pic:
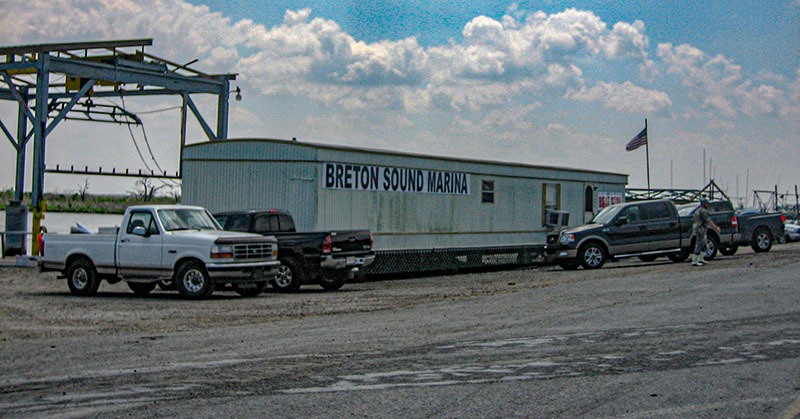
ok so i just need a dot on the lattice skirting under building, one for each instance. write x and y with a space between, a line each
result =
390 262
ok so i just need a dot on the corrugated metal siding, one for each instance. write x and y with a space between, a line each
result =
231 185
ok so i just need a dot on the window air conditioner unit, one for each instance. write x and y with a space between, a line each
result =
555 218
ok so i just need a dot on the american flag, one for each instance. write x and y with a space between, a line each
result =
637 141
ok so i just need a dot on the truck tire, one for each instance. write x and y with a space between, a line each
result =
288 277
82 277
333 281
250 289
142 288
592 256
762 240
193 282
679 256
729 250
711 248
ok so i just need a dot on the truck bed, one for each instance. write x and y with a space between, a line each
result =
60 247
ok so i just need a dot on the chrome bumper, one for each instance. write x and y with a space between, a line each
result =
243 270
555 252
330 262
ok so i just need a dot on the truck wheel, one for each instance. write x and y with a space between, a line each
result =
712 246
193 282
141 288
679 256
762 240
569 265
592 256
288 277
729 250
250 289
82 277
333 281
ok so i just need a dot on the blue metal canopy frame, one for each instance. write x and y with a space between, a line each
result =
95 69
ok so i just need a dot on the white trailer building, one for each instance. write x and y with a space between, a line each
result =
425 212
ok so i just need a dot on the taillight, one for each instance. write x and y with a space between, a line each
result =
371 242
327 244
735 222
783 218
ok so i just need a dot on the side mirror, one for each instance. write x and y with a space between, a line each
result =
140 231
622 221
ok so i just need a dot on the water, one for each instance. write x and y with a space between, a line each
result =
60 222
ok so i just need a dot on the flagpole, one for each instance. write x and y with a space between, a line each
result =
647 151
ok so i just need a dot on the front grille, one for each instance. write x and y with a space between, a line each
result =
252 251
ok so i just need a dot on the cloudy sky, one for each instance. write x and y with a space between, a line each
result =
536 82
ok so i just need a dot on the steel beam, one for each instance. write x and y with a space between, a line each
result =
72 46
203 124
118 74
85 88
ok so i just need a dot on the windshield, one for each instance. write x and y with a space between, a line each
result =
686 209
187 219
605 216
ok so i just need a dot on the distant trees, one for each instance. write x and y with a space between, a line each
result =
146 189
83 189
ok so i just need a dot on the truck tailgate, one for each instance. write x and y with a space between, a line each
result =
351 242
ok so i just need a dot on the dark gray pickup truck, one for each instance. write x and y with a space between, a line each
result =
646 229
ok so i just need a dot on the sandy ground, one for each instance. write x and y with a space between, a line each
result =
36 305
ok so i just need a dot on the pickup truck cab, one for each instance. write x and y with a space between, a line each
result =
646 229
183 244
327 258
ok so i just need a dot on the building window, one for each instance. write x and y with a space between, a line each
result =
551 199
487 191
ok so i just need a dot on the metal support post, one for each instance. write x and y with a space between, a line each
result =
184 104
39 143
22 145
222 107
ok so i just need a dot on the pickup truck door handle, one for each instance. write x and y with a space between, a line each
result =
642 228
124 241
672 224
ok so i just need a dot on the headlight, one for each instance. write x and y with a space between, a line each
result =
221 252
566 238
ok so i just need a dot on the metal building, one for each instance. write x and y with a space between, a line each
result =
425 212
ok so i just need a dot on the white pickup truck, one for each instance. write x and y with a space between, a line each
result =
176 244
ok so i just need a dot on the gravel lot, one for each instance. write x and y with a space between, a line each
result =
37 305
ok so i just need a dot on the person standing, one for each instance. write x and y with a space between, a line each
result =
701 221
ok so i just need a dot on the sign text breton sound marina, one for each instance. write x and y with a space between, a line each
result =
393 179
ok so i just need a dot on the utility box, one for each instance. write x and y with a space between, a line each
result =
16 228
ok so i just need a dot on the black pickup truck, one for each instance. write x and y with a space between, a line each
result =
326 258
645 229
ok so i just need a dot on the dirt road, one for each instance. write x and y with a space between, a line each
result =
37 305
632 339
